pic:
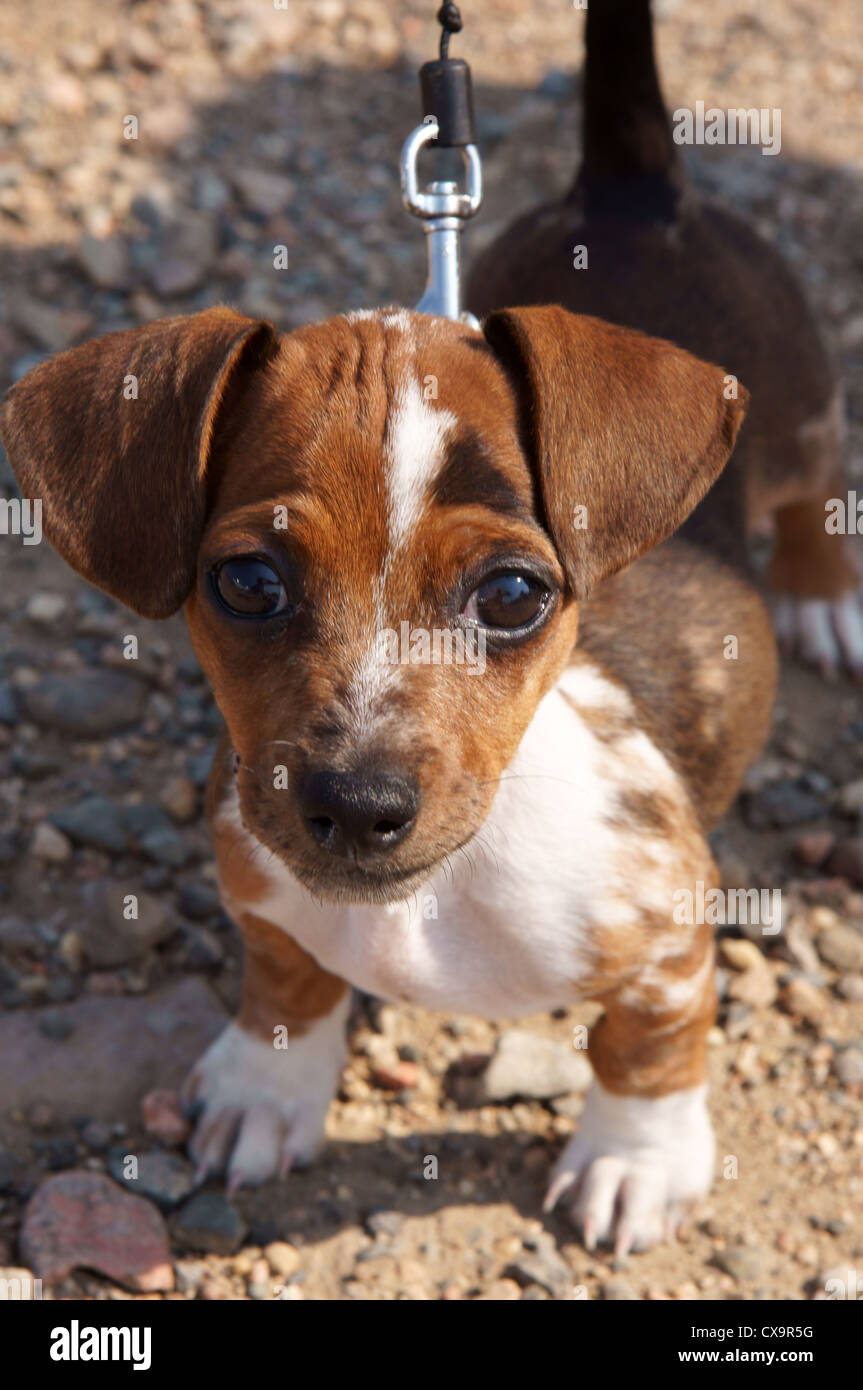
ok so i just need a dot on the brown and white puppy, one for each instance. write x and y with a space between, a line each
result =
673 264
499 839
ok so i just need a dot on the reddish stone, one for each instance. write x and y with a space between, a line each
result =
163 1118
80 1220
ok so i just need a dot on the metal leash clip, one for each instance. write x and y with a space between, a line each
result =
444 208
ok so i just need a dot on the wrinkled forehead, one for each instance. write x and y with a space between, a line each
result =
374 421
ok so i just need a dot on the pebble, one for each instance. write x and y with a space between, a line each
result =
543 1266
179 798
108 937
93 821
742 1262
848 1065
164 1178
742 955
56 1026
189 1275
850 797
83 1220
501 1291
814 847
87 705
532 1067
50 845
754 987
850 987
842 947
283 1258
198 900
803 998
105 260
781 804
402 1076
45 609
163 1118
847 859
209 1223
616 1291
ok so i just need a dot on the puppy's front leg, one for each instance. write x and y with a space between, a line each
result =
645 1146
262 1090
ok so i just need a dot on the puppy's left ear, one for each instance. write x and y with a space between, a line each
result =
627 432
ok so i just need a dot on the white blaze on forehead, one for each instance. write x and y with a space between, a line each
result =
413 454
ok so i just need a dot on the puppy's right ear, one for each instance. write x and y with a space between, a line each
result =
114 438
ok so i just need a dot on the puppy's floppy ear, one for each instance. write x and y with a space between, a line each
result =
627 427
114 437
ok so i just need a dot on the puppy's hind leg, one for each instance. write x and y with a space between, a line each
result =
814 573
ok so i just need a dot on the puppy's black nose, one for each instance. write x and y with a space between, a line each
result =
358 813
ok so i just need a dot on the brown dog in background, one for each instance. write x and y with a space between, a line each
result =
666 261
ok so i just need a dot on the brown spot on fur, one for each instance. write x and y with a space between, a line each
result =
282 983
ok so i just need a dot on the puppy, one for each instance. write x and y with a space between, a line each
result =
664 260
496 841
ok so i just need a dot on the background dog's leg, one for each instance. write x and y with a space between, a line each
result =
644 1146
263 1088
819 609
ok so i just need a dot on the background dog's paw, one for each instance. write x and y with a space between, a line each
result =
825 633
634 1166
260 1110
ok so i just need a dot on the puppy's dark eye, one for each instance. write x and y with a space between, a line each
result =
250 587
507 601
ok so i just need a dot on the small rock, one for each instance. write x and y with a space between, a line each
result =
105 260
162 1114
198 900
742 1261
189 1275
263 192
742 955
166 1179
180 799
18 935
208 1222
847 859
93 821
8 704
803 998
754 987
45 609
813 849
501 1291
780 804
83 1220
97 1135
50 844
850 797
544 1267
56 1026
848 1065
108 937
282 1258
842 947
86 705
850 987
402 1076
618 1292
384 1223
532 1067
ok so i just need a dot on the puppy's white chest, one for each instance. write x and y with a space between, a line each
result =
513 923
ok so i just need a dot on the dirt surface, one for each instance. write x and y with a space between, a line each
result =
260 126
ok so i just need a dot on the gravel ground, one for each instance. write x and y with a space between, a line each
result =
260 126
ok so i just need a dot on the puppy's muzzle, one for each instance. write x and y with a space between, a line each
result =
359 815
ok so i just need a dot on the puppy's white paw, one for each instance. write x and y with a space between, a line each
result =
634 1165
826 633
261 1109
